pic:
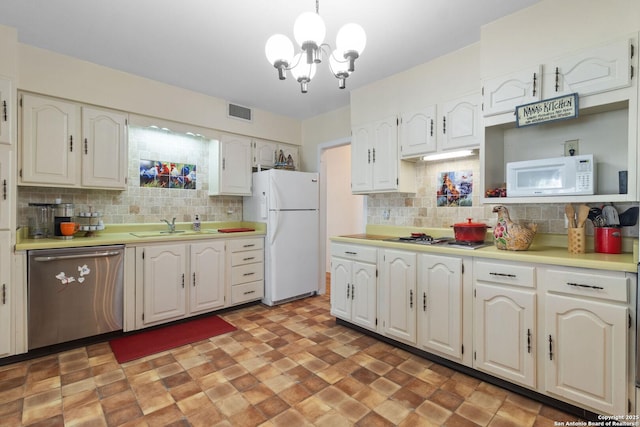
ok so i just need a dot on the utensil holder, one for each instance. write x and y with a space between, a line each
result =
577 242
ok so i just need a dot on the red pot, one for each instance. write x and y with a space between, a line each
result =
473 232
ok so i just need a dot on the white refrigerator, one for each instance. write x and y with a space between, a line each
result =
288 202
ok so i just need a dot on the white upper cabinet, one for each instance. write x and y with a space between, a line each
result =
104 136
502 94
6 116
460 125
65 144
264 153
418 133
230 166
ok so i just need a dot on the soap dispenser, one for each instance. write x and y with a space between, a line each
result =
196 223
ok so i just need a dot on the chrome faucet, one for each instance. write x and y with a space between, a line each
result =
171 225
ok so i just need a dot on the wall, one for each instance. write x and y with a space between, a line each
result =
332 126
145 205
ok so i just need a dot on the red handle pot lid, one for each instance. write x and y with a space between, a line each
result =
470 224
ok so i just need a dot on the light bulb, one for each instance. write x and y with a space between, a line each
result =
279 48
309 27
351 37
302 70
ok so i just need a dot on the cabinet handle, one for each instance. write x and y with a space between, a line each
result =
557 79
535 82
71 143
424 301
4 110
580 285
4 293
348 292
248 258
368 155
444 125
350 253
4 189
410 298
431 129
248 292
550 348
249 274
182 280
528 340
374 155
502 274
224 162
86 146
353 291
249 245
194 279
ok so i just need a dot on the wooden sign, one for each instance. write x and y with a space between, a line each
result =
548 110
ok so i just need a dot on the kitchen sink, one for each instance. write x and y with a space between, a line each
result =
166 233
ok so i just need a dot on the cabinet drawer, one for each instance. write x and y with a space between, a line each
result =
355 252
613 286
506 273
247 292
237 245
248 257
247 273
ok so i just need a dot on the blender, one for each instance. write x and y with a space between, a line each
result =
39 220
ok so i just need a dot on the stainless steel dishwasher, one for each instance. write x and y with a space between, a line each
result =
74 293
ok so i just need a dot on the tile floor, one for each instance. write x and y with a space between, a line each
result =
285 366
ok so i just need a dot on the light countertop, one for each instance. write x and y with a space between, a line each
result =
546 249
140 234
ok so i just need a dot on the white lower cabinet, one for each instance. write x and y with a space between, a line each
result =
172 287
247 270
7 326
504 311
587 337
440 303
399 297
354 284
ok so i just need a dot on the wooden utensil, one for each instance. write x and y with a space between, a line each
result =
570 212
583 214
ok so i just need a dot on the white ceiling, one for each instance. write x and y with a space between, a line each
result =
216 47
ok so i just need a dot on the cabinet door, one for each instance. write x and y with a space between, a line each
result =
587 352
7 326
418 132
504 332
206 281
6 116
104 149
594 70
50 142
264 153
235 172
440 302
384 154
6 187
341 288
400 298
503 94
460 123
361 165
164 282
363 295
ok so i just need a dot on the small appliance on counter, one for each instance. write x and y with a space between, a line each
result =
40 220
62 212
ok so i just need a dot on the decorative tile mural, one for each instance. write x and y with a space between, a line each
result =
159 174
455 188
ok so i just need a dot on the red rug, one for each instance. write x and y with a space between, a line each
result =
144 343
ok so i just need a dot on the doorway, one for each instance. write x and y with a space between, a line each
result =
341 212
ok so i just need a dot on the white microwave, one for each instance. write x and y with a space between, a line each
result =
559 176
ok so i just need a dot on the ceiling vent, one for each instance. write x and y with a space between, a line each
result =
239 112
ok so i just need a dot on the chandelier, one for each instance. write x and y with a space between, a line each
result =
309 32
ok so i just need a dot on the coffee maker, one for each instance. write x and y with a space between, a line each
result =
62 212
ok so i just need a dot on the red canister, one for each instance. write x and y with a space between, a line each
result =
608 240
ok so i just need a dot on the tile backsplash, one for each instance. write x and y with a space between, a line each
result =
421 210
146 205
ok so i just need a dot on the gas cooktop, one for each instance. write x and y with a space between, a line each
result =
425 239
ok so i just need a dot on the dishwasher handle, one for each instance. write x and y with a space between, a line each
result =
77 256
